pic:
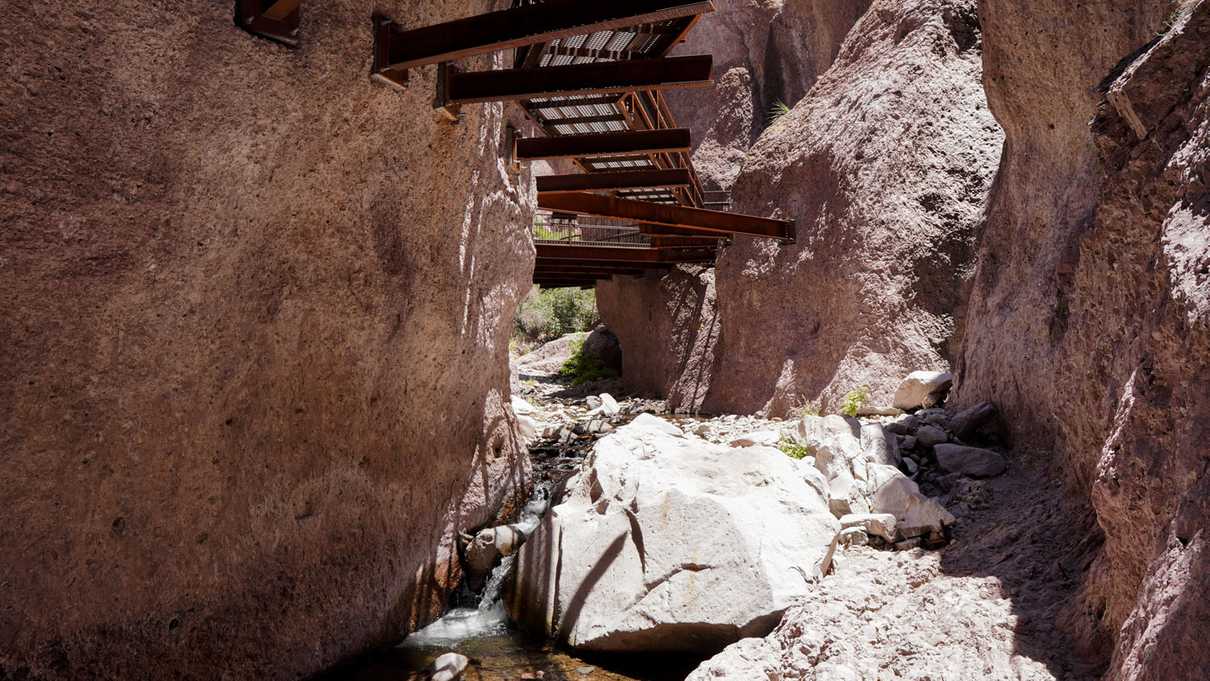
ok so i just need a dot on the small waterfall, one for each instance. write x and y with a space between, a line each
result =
483 614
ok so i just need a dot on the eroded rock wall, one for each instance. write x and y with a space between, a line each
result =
254 320
1088 320
765 52
668 327
885 167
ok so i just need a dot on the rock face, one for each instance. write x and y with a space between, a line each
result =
862 476
666 542
254 314
668 328
872 288
765 52
1089 320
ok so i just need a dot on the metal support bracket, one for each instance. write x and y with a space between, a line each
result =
445 110
276 20
386 30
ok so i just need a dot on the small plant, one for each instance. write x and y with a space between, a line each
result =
778 110
805 408
855 400
795 450
581 368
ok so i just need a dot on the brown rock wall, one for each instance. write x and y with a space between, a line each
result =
885 166
668 327
254 318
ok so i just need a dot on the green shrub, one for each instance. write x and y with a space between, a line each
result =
778 110
547 314
855 400
581 368
795 450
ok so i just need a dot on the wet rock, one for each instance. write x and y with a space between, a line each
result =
929 436
970 461
922 389
448 667
669 543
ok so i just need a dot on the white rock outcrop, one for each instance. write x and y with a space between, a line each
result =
862 479
665 542
922 389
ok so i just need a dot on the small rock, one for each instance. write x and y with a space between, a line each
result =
521 407
967 423
970 461
609 406
923 389
930 436
585 671
880 524
908 544
448 667
904 426
908 442
766 438
592 401
853 536
910 468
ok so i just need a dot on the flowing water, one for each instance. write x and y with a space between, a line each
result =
478 627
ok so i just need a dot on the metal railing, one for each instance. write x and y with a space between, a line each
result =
552 229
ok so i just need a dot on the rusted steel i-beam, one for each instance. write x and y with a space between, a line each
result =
578 79
527 25
642 256
687 219
603 144
278 21
624 179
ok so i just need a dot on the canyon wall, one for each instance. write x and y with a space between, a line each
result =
1088 321
254 317
884 164
669 326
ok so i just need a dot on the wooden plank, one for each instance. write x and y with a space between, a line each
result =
627 179
529 25
579 79
603 144
682 217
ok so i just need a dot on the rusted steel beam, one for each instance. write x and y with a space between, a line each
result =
603 144
278 21
691 220
625 179
643 256
579 79
529 25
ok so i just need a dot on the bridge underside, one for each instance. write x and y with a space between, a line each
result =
590 76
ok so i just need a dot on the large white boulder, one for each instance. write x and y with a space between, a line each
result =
922 389
665 542
856 460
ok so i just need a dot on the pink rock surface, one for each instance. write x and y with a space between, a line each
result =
254 314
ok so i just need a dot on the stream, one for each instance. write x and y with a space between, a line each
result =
477 625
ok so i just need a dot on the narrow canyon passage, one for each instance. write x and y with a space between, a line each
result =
648 340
